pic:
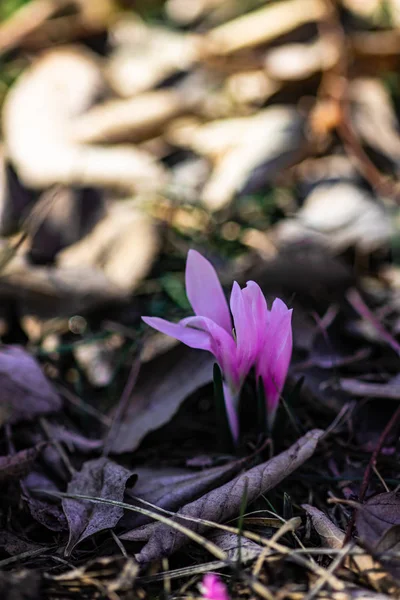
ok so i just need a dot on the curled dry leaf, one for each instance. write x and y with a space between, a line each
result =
25 390
38 117
224 502
155 400
100 477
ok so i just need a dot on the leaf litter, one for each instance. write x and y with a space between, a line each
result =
266 138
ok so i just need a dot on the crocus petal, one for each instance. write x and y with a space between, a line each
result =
205 292
191 337
254 297
212 588
245 330
231 405
274 359
222 345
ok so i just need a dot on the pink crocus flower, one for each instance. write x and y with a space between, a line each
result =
212 588
257 336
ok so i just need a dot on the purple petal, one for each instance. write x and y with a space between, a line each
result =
189 336
231 410
205 292
274 359
258 307
245 330
222 345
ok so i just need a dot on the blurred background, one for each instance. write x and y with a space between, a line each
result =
264 134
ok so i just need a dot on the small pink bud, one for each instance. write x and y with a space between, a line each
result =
212 588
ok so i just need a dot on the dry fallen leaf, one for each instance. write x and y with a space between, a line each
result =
98 477
172 488
155 400
334 538
25 389
339 216
38 117
224 502
246 151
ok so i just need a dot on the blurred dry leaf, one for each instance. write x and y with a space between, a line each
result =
97 361
185 13
293 62
15 466
250 87
57 291
144 56
246 151
132 120
38 116
156 399
25 20
25 389
123 246
339 216
374 118
264 25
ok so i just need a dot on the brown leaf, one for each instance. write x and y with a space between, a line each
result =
100 477
164 383
329 533
24 388
376 517
15 466
334 537
224 502
172 488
